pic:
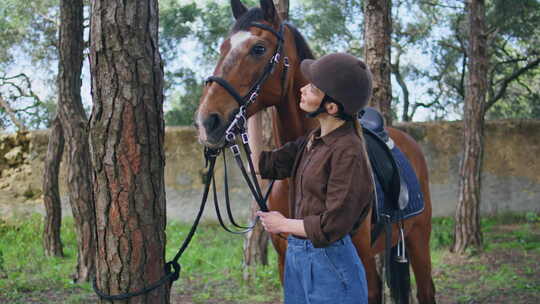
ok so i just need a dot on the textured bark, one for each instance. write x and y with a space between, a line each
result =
74 124
282 7
51 196
127 134
260 138
256 241
467 228
377 36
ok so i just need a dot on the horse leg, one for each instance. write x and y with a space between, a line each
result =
419 254
279 201
362 242
280 245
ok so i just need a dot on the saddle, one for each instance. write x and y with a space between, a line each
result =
385 168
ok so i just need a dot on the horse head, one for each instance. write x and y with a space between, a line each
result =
248 69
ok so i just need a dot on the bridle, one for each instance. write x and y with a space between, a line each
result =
238 126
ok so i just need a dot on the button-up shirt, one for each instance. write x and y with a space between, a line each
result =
331 186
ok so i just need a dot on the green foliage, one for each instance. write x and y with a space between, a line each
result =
30 27
26 267
211 267
330 26
29 35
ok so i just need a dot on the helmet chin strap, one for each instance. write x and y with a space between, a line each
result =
321 108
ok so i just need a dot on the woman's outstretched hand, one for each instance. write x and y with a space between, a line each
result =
275 222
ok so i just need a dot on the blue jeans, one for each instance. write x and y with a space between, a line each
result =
332 274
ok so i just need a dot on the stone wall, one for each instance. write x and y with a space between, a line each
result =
510 178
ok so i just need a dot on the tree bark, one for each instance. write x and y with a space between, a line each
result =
256 241
74 124
377 36
51 196
260 138
127 134
467 230
282 7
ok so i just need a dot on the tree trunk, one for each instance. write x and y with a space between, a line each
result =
256 241
377 36
260 138
51 196
127 134
74 124
282 7
377 39
467 228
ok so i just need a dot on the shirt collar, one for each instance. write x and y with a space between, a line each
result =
331 137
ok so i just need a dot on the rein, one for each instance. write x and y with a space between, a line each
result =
237 127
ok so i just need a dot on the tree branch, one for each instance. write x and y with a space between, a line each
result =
5 105
508 80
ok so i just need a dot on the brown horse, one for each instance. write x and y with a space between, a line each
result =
244 56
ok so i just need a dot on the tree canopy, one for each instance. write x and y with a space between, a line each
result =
429 54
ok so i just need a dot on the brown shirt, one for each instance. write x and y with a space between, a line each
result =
331 186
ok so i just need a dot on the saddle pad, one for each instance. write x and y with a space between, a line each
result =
416 200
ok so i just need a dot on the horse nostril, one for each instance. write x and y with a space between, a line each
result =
212 122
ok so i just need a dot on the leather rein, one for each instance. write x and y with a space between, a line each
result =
237 128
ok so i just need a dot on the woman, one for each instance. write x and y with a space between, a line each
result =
330 189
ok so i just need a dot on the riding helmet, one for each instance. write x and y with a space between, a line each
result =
343 77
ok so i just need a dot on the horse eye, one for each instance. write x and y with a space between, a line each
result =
258 50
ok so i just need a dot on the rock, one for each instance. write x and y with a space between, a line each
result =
14 156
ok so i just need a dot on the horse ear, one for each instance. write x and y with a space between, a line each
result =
270 13
238 8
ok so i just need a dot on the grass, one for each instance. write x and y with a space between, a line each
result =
506 270
211 267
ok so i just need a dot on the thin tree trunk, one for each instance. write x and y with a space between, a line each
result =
256 241
74 124
127 134
377 37
51 196
260 138
282 7
467 228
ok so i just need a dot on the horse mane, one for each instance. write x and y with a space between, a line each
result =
256 14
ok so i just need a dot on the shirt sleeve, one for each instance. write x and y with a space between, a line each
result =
349 193
278 164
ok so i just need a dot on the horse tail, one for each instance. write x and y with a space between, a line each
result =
399 278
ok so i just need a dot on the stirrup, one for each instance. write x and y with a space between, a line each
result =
401 256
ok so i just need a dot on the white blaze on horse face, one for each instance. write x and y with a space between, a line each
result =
239 38
237 41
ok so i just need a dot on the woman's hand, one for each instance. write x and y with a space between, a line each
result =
273 221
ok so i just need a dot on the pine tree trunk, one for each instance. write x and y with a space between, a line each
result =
467 228
51 196
256 241
377 39
74 124
282 7
127 134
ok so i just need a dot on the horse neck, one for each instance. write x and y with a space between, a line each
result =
291 122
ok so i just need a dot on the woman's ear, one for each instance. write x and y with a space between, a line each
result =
331 108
